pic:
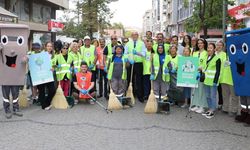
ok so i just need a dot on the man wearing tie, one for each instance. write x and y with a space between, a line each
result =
136 51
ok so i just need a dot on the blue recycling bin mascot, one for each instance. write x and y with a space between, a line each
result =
238 46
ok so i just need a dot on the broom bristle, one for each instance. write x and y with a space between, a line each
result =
59 100
130 94
151 106
114 103
23 102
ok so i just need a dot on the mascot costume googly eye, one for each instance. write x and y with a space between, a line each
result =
238 49
13 48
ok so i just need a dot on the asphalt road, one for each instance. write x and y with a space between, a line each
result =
89 127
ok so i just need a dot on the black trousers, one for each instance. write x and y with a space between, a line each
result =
138 80
14 90
220 95
102 78
147 86
94 78
46 101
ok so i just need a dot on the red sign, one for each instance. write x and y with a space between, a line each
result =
239 11
55 26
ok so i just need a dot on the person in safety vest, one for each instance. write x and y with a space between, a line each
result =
64 63
160 40
117 73
147 62
175 93
84 84
76 56
212 74
136 51
230 100
199 100
160 73
109 49
89 55
102 70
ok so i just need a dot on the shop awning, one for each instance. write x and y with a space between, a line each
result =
62 3
6 16
240 12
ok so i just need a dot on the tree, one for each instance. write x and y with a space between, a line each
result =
90 16
207 14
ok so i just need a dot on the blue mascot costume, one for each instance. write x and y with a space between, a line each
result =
238 46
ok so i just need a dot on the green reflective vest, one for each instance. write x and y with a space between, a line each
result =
138 48
166 48
111 68
202 58
77 59
65 67
147 64
88 55
156 64
210 71
226 74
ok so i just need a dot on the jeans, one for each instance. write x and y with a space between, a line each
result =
211 96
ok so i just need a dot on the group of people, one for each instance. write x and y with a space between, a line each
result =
77 66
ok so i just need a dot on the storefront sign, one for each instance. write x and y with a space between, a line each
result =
55 26
240 12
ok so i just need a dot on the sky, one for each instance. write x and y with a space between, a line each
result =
130 12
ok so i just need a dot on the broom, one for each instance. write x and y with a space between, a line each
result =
151 106
130 90
114 103
59 101
23 102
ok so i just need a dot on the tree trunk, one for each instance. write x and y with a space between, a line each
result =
205 32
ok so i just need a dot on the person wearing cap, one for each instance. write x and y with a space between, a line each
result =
117 73
84 84
136 51
36 48
89 55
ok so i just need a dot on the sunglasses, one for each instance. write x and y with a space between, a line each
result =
125 41
113 38
65 48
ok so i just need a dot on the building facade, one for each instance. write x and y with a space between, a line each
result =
147 22
35 14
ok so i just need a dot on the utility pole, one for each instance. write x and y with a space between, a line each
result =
224 18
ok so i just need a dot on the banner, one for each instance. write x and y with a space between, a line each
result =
55 26
40 68
187 71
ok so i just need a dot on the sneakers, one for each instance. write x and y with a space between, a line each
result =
199 110
205 113
76 102
184 106
210 115
48 108
17 113
194 108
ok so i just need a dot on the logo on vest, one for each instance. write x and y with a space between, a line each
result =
148 58
87 54
83 78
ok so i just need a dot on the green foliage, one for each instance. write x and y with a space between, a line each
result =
90 16
207 14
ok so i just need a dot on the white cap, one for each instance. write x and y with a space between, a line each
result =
86 38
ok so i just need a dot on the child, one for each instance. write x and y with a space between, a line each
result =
84 84
160 73
117 73
212 74
64 62
186 90
147 69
